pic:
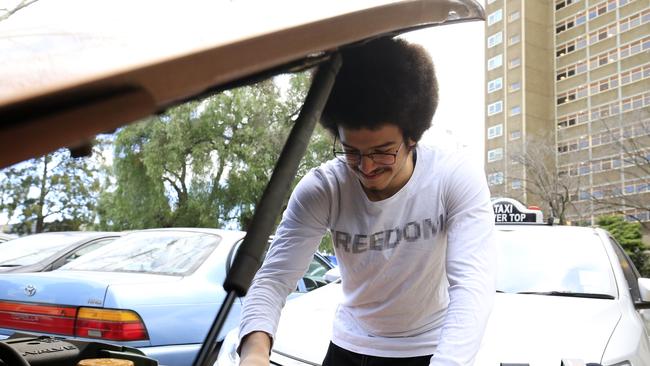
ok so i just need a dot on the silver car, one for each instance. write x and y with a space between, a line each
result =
49 251
564 293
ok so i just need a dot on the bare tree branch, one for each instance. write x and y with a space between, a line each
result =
9 12
630 138
557 191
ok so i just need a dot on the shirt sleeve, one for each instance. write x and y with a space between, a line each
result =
303 224
470 265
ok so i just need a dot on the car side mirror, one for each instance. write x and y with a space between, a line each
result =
332 275
644 292
644 288
572 362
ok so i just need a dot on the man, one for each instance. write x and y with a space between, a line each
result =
412 226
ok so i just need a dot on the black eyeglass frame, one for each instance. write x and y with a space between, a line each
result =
343 155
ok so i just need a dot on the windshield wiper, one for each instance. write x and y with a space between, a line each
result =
10 265
568 294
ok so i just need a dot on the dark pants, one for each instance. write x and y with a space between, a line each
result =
337 356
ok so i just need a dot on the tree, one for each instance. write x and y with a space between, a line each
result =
542 179
628 234
204 163
55 187
626 138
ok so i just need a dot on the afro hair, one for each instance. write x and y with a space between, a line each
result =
384 81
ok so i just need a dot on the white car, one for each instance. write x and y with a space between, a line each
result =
564 293
6 237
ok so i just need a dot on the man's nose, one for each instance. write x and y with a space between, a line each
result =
366 164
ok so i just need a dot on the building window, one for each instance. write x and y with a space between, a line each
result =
514 86
514 16
515 134
495 178
572 45
559 4
514 62
495 62
494 108
603 85
495 39
574 69
635 20
570 22
495 154
635 47
495 16
516 183
603 59
514 39
602 33
635 74
601 9
515 110
573 94
495 131
494 85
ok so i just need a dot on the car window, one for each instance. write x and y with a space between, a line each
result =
163 252
629 271
87 249
314 277
32 249
554 261
317 269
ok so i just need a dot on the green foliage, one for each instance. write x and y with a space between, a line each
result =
204 164
629 235
49 193
326 245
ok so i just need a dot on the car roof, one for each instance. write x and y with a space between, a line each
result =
62 83
226 234
80 235
557 230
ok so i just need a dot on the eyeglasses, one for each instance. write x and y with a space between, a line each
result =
354 157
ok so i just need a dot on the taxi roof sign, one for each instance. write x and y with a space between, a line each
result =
510 211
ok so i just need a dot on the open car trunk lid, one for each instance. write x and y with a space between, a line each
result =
63 81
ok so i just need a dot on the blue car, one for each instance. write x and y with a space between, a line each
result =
157 290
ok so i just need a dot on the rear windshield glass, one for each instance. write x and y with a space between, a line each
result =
34 248
553 261
159 252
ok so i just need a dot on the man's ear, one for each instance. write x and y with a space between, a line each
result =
411 143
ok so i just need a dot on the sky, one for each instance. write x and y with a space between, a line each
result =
457 52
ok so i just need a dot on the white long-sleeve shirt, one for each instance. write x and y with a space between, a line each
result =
417 268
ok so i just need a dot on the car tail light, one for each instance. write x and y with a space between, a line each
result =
34 317
116 325
109 324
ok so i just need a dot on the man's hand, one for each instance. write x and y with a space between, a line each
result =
255 349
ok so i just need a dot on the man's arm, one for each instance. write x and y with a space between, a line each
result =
302 226
470 265
255 349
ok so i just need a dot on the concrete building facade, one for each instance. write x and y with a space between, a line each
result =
568 105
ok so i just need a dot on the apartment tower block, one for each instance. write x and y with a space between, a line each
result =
567 105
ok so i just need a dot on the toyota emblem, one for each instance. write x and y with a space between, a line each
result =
30 290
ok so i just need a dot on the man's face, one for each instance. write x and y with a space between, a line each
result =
380 181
